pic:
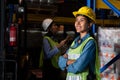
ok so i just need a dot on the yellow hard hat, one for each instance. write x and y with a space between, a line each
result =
87 12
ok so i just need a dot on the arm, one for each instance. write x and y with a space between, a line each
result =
85 58
62 62
49 52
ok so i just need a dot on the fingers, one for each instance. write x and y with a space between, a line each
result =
65 56
70 62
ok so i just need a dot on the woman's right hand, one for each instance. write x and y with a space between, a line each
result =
62 43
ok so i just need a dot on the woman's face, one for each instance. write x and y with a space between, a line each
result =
81 24
54 28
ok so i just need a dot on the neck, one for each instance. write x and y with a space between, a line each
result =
82 34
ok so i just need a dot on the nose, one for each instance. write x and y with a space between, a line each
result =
78 22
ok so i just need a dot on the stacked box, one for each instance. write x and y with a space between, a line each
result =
109 47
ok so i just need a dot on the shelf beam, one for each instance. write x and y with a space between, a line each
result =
67 20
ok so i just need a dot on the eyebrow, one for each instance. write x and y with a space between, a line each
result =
81 18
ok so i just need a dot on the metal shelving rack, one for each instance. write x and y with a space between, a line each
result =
9 71
109 4
6 71
2 39
115 9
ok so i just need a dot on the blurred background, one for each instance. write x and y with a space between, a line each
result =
21 33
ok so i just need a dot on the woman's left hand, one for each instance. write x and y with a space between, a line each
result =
70 62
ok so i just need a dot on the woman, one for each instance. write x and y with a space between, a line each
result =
51 51
81 60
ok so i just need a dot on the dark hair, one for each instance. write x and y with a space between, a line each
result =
50 33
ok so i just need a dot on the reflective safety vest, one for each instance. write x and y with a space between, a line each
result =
54 59
74 54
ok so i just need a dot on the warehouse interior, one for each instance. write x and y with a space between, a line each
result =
20 59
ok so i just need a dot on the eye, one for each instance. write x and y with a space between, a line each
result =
82 20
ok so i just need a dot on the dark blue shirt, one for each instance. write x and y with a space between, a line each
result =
48 50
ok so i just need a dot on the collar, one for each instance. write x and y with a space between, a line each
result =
81 40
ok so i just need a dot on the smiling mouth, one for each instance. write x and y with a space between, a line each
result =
78 27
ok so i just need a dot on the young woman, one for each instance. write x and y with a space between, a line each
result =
50 51
81 59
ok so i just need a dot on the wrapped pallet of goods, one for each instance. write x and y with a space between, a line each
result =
109 47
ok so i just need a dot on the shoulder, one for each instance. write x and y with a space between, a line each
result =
91 42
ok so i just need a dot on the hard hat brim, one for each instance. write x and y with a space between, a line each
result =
76 12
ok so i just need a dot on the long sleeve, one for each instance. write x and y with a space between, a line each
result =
62 62
49 52
86 57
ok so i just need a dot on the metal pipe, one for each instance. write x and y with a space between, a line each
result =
109 63
93 27
89 3
92 6
2 13
112 7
